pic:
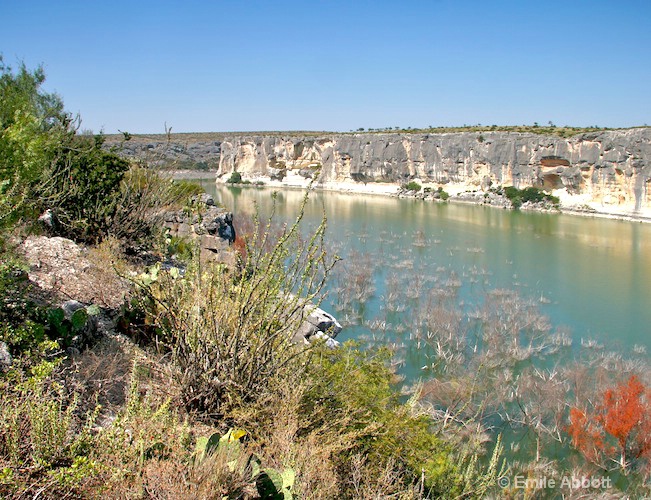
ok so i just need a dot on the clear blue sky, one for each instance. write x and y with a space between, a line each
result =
337 65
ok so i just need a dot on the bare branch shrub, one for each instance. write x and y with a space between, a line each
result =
230 331
142 201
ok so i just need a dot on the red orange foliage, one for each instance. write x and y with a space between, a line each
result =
620 425
239 245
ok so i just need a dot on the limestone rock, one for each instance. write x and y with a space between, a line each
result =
5 358
212 227
317 324
61 268
614 163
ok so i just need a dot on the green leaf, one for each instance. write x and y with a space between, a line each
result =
200 447
212 443
56 316
255 466
289 476
93 310
79 319
206 445
270 483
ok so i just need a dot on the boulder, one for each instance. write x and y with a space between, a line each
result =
214 243
5 358
317 324
63 269
212 226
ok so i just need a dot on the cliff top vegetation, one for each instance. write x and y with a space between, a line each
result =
550 129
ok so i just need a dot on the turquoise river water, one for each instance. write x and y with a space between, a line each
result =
591 276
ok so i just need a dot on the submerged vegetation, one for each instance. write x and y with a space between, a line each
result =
493 365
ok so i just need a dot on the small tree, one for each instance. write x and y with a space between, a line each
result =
84 188
32 125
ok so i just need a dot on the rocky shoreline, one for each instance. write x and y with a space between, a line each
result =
593 172
457 194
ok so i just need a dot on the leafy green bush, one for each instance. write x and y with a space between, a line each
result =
356 385
32 126
235 178
412 186
84 189
45 164
528 194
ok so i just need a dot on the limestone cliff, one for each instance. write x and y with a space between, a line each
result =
610 167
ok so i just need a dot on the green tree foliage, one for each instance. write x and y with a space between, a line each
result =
32 126
45 164
85 182
533 194
235 178
412 186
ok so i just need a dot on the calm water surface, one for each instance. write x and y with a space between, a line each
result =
592 276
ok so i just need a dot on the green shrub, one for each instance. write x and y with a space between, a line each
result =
32 126
528 194
84 190
511 192
354 389
43 440
235 178
444 195
516 202
45 164
412 186
21 322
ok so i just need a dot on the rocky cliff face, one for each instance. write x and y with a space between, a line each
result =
610 167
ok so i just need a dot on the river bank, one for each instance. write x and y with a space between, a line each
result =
571 204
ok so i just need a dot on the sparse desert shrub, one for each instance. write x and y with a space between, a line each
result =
44 442
230 331
143 198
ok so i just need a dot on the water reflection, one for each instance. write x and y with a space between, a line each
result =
592 275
